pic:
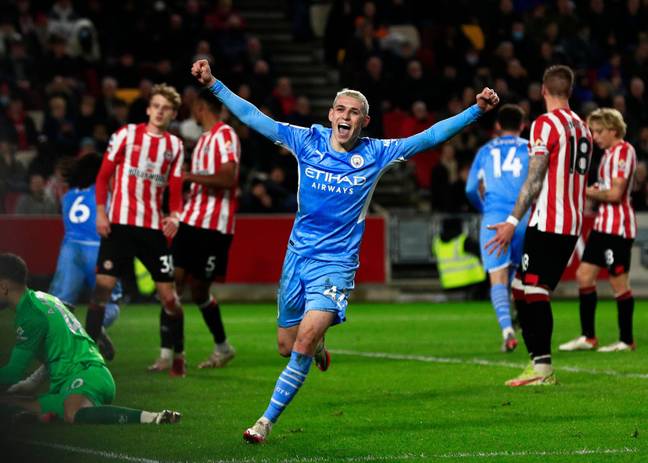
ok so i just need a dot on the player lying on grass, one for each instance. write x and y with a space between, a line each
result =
338 172
81 386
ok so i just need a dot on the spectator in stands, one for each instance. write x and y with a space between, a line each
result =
640 187
443 176
425 161
61 19
302 115
108 98
18 127
13 176
87 117
59 128
413 87
282 102
36 201
137 109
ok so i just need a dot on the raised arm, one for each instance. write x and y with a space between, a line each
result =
244 110
444 130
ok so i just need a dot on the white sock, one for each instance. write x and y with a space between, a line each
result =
166 353
507 331
223 347
543 368
148 417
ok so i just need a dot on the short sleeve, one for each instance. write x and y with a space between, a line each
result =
227 144
623 162
542 137
116 144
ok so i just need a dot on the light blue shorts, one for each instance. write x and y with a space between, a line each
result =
513 254
308 284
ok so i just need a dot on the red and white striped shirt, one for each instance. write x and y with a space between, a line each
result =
619 161
144 164
213 208
564 137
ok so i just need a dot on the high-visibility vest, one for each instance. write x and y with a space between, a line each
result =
144 280
457 268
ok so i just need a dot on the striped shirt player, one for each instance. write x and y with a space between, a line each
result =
617 218
201 247
213 208
142 160
609 245
565 139
560 148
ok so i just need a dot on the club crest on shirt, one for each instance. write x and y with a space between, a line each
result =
168 155
357 161
622 163
20 334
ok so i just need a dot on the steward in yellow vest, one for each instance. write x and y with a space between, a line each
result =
457 268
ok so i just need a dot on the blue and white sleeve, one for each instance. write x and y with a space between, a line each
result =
404 148
277 132
472 183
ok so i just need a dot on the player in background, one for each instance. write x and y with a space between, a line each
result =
142 159
560 152
77 261
81 386
201 247
338 172
609 245
496 176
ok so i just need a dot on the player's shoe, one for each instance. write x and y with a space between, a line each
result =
259 432
178 367
105 345
510 343
218 359
167 417
322 357
580 343
161 364
619 346
531 377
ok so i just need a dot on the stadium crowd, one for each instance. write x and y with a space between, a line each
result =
69 79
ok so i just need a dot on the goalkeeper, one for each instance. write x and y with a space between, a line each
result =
81 386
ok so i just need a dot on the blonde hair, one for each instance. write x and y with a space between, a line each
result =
167 92
354 94
610 119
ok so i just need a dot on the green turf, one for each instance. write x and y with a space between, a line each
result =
372 409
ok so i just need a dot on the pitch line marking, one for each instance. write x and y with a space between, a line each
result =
358 459
478 361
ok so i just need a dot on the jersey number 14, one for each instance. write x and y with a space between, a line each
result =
511 162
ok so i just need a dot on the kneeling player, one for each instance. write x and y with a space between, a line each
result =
81 386
610 243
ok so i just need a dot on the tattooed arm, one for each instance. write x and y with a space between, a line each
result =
528 193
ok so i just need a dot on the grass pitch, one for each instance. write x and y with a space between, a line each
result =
408 383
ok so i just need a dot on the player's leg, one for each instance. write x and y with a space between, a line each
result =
310 332
153 252
69 276
618 265
587 299
497 267
88 256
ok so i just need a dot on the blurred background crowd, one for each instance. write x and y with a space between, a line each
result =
73 72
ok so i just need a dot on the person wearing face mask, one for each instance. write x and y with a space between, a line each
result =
609 245
338 173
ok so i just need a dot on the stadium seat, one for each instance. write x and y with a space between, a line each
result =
318 16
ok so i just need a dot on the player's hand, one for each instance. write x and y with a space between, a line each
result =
487 99
201 71
503 235
103 224
170 226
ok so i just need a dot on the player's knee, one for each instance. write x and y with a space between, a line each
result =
305 342
69 415
285 348
170 302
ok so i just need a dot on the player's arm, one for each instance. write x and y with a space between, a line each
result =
448 128
224 179
528 193
30 384
474 184
15 369
244 110
112 156
171 222
613 195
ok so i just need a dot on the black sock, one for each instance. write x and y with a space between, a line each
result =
542 324
94 319
212 316
625 307
587 306
523 318
178 333
166 330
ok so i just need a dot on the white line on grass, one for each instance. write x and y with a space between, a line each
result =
478 361
354 459
96 453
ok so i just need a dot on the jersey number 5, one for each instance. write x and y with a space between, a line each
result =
511 162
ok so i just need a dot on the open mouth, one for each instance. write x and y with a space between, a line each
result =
344 129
